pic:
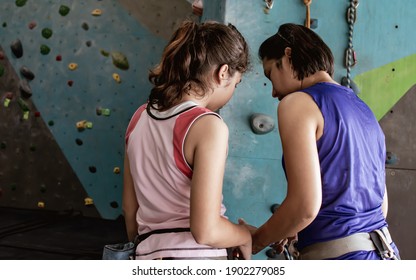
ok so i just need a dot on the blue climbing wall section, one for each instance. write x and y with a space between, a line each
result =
74 83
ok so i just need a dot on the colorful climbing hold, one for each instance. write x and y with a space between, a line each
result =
64 10
58 57
32 25
6 102
96 12
70 83
51 123
42 188
44 49
88 201
20 3
116 170
23 105
41 204
120 60
81 125
79 142
46 33
3 145
37 114
72 66
117 78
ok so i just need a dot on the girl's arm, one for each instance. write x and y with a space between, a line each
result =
206 150
130 204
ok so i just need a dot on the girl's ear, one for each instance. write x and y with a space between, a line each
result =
223 73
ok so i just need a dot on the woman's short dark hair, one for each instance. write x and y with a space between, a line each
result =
194 50
309 52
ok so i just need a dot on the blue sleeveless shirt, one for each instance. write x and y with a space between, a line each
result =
352 163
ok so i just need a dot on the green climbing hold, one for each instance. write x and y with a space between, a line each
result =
64 10
44 49
51 123
1 70
4 24
46 33
120 60
20 3
105 53
23 105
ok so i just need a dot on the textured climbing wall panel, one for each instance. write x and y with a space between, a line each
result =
90 60
401 171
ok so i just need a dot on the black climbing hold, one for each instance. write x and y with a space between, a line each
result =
27 73
92 169
17 48
51 123
261 124
2 70
85 26
274 207
391 158
79 142
42 188
88 43
114 204
3 145
25 90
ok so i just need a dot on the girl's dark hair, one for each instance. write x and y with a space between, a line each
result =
309 52
194 50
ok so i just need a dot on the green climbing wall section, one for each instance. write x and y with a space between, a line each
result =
382 87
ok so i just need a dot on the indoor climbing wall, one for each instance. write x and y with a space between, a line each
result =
71 75
73 72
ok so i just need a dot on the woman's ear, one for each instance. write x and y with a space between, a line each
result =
288 52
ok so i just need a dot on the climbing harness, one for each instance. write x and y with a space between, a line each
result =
308 13
350 55
377 240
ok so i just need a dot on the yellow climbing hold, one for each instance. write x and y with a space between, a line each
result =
72 66
6 102
88 201
116 77
116 170
41 204
96 12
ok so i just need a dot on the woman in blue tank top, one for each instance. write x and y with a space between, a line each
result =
334 157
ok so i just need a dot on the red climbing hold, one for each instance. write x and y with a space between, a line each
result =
70 83
58 57
32 25
37 114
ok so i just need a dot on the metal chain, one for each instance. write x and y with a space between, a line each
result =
351 16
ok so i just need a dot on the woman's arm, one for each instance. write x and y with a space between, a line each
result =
206 150
130 204
300 120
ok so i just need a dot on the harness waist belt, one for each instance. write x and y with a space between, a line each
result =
334 248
